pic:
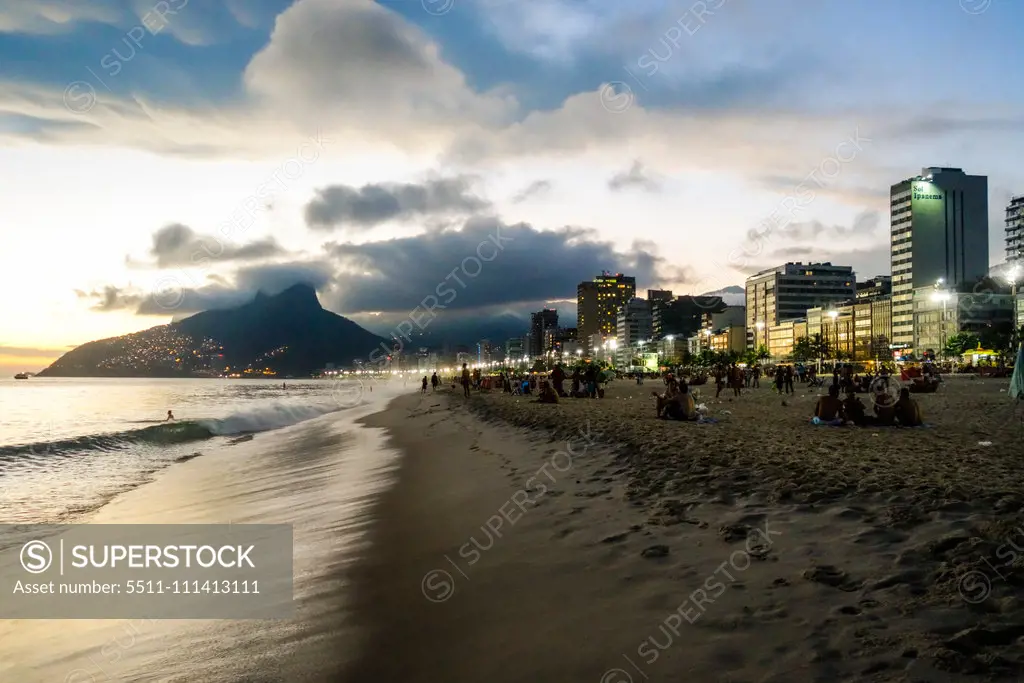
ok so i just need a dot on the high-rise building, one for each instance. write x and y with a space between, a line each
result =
483 351
1015 229
788 291
681 317
939 232
540 323
633 328
515 349
555 339
598 303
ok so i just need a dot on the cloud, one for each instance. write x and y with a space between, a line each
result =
359 60
534 189
637 177
864 224
866 262
793 252
112 298
179 245
373 204
171 297
530 265
55 16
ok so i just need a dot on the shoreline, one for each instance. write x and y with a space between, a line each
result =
686 554
319 476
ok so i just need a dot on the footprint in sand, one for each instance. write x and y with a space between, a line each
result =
616 538
832 576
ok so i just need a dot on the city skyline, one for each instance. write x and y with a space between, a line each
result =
161 163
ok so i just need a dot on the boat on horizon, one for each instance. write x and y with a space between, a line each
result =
21 375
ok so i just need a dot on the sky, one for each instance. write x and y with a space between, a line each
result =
161 158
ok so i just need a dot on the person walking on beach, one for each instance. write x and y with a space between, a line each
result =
590 378
756 379
465 381
780 378
575 381
435 382
719 380
423 389
736 379
789 379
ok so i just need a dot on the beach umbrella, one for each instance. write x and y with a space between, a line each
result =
1017 381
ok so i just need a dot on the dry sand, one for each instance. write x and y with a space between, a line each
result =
521 545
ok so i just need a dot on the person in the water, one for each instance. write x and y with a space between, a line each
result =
170 416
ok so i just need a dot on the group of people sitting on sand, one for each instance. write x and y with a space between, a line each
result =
586 383
830 410
677 402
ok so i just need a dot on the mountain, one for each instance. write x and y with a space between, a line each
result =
285 334
733 295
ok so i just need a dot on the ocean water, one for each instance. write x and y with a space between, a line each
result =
67 446
91 451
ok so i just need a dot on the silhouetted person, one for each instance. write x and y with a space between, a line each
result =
829 408
423 388
465 381
908 413
170 416
591 380
885 409
789 379
558 378
435 381
853 410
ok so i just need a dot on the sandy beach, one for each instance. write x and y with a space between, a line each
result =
589 541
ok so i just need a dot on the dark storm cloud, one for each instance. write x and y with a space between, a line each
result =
171 294
637 176
180 245
497 264
371 205
537 187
